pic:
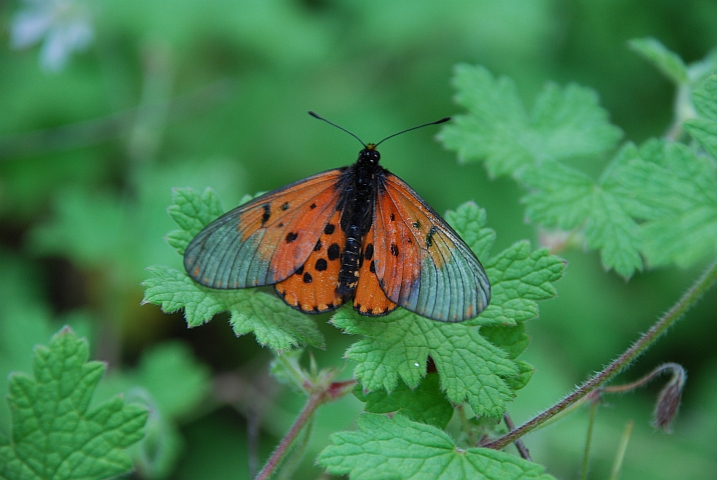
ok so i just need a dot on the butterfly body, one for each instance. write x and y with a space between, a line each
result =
354 233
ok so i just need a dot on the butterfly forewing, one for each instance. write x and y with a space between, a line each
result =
421 262
266 240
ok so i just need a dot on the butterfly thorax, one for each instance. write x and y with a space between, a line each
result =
362 181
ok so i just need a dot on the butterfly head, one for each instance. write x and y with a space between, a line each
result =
369 155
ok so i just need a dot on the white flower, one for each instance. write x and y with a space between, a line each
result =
66 26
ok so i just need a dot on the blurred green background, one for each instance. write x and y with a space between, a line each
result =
105 106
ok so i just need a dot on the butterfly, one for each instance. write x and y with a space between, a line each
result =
355 233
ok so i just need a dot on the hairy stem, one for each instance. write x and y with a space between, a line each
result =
334 391
691 296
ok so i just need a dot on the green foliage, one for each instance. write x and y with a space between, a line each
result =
646 199
471 368
398 345
397 448
425 404
55 433
171 384
210 95
564 124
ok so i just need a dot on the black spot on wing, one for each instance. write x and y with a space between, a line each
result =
321 264
291 236
285 206
267 213
368 253
307 277
429 236
300 270
318 246
334 251
394 250
329 229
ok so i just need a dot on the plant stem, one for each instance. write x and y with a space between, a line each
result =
620 456
333 392
690 297
589 439
522 449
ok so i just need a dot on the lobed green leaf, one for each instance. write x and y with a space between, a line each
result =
425 403
470 367
265 315
565 123
397 448
55 435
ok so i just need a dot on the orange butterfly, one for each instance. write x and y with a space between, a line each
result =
356 232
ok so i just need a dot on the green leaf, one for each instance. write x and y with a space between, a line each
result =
470 367
176 381
191 212
55 435
513 340
704 129
681 189
519 277
265 315
426 403
397 448
705 98
567 199
88 228
669 63
565 123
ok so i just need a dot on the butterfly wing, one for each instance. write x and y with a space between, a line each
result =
369 298
420 261
267 239
312 288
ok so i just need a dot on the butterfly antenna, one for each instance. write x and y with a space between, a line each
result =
414 128
313 114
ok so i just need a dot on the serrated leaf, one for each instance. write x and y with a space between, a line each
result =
512 339
397 346
192 212
497 129
669 63
521 380
704 129
681 188
705 132
396 448
471 368
566 198
55 435
426 403
470 220
265 315
705 98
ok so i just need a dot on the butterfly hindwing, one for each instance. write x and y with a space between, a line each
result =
312 288
267 239
369 298
420 261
